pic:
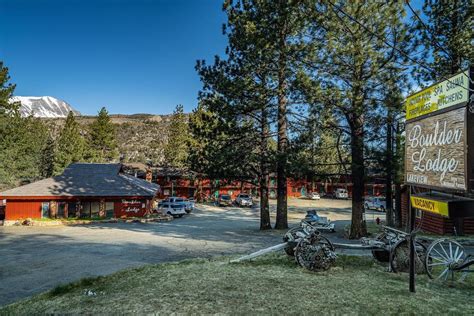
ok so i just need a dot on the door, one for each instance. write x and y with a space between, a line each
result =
61 210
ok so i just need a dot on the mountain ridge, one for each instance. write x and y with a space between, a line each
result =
43 106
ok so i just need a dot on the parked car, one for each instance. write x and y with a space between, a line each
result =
224 200
341 194
314 196
375 203
173 209
244 199
329 195
189 205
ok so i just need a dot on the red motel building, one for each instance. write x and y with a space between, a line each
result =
84 190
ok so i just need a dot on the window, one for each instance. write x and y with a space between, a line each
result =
95 208
61 210
86 209
109 209
72 209
45 210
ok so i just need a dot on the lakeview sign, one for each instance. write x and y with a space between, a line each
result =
442 95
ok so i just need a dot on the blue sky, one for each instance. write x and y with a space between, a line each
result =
132 56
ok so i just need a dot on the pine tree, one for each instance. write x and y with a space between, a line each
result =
6 92
357 48
71 145
176 150
48 157
21 139
102 138
445 36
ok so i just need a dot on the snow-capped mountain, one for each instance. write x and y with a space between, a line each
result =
44 106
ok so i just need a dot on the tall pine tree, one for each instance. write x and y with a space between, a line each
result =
357 48
71 146
48 156
21 139
176 150
103 143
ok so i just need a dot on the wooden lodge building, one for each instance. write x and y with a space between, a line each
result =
187 184
84 190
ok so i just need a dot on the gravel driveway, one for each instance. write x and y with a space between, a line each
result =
36 259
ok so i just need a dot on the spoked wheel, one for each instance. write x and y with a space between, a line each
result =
290 237
315 253
443 257
401 257
381 255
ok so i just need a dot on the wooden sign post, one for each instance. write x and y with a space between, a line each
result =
439 133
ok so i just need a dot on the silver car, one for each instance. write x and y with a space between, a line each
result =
375 203
244 200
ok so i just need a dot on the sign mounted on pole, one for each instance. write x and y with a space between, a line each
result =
439 130
436 151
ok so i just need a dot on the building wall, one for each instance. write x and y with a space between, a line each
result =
434 223
127 207
22 209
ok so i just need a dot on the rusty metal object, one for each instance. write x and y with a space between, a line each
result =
315 252
400 257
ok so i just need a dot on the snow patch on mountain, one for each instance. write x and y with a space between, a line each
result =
45 106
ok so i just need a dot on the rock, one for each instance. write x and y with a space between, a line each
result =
27 222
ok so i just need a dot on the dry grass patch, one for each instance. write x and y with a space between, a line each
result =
271 284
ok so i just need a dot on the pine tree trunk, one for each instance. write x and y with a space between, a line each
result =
389 172
281 218
264 176
282 203
358 226
264 204
398 180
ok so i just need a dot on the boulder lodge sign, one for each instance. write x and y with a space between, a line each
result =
439 131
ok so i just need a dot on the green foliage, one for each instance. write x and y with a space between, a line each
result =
21 139
176 150
445 35
102 139
71 146
6 92
48 157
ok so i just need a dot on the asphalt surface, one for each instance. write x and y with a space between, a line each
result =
36 259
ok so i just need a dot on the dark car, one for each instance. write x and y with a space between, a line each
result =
224 200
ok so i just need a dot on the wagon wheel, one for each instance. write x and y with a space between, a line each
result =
442 257
401 257
291 237
381 255
315 253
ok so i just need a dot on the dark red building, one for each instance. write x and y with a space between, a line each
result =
84 190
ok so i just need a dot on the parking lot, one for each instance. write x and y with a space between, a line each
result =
35 259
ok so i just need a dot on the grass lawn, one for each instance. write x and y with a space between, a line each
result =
271 284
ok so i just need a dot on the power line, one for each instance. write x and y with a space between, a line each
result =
392 46
433 42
